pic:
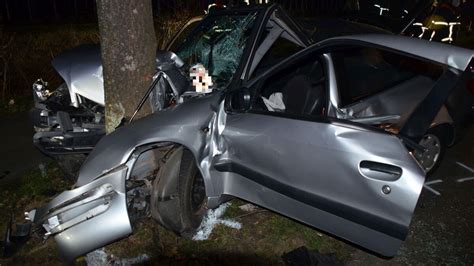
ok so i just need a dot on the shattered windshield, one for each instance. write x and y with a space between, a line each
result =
218 44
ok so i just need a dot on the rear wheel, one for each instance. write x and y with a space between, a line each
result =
178 200
435 142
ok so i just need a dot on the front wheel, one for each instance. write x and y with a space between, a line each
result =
178 199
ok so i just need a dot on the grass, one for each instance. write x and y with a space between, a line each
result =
34 189
263 238
22 103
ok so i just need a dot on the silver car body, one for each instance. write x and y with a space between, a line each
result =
81 70
319 172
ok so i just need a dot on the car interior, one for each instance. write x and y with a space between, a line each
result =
301 89
376 83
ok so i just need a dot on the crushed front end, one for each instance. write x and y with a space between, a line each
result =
62 128
87 217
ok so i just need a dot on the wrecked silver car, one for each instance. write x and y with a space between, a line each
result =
339 136
70 119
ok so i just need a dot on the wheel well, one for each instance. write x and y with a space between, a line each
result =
151 157
152 173
172 193
445 131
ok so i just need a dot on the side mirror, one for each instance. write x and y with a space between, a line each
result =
239 100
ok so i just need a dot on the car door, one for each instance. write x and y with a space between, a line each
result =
357 182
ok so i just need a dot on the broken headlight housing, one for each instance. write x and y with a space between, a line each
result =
40 89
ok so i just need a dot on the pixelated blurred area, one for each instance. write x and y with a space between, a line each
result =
202 81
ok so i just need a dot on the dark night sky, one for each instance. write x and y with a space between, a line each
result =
59 11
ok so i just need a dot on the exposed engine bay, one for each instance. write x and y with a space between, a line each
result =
68 121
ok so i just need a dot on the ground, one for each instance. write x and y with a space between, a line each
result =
440 233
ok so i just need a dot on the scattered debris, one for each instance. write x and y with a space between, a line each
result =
140 259
42 168
427 186
304 257
99 257
213 218
248 207
460 180
15 237
465 167
464 179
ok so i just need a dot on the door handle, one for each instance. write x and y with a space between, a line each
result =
380 171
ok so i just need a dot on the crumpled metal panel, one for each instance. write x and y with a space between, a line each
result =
81 69
180 124
79 228
173 80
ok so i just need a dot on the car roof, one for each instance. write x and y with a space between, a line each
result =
455 57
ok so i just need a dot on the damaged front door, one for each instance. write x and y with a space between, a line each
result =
355 182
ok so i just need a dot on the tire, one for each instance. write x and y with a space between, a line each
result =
70 164
178 199
435 141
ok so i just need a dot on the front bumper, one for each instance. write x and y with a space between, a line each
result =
57 142
66 138
88 217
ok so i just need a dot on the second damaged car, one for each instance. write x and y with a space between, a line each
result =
339 136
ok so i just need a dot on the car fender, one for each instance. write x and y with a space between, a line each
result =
186 124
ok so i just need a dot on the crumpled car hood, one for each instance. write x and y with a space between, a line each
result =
81 69
183 123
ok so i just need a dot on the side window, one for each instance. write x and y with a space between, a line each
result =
298 89
363 72
280 49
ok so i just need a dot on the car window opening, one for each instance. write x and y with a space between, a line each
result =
275 44
297 91
377 83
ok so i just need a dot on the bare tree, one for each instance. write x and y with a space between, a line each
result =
128 46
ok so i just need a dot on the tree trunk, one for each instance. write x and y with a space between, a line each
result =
128 46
